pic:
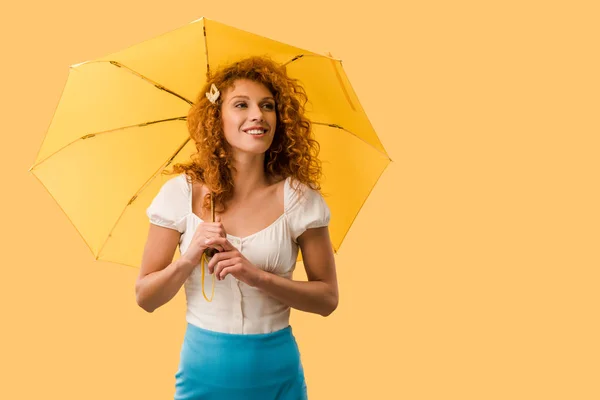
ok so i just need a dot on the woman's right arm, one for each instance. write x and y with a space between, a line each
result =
160 278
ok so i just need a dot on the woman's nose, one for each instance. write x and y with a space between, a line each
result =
256 113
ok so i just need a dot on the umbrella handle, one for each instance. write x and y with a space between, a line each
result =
211 252
208 253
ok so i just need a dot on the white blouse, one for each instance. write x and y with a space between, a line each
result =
237 307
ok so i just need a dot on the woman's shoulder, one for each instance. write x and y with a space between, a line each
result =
174 185
170 205
300 195
306 208
198 189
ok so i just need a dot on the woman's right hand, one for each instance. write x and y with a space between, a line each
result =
204 231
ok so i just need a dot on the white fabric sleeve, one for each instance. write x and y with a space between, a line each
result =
309 210
169 207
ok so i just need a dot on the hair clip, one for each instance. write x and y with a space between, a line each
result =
213 95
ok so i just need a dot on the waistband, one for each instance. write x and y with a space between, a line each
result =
257 337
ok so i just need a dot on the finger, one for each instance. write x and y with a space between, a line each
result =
213 229
213 245
222 241
213 262
226 271
218 221
216 229
218 258
234 265
222 265
214 250
212 235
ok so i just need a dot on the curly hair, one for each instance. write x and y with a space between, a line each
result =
293 152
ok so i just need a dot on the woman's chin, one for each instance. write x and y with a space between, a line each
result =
252 150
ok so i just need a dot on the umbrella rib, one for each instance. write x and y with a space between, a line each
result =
156 173
299 56
341 83
337 74
294 59
91 135
206 50
353 134
156 84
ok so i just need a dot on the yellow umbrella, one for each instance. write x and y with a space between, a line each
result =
121 121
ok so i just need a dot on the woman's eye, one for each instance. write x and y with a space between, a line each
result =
268 106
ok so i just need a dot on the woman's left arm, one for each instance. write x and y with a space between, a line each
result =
319 294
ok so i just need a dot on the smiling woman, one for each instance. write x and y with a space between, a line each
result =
257 161
252 115
254 92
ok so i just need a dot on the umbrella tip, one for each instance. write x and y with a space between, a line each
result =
328 54
77 65
199 19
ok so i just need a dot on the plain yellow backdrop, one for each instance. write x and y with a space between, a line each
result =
472 270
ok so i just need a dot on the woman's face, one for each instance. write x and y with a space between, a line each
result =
249 116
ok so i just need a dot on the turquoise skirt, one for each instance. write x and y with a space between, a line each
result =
225 366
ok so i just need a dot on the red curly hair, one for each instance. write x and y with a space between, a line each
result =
293 152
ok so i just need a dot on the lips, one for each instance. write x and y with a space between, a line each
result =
256 127
256 131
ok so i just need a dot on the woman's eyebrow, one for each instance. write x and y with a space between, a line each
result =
248 98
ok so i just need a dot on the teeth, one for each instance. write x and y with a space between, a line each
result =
256 131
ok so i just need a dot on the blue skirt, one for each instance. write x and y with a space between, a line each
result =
225 366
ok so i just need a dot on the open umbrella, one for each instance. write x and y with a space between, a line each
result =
121 121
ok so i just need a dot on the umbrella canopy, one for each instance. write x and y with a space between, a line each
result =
121 121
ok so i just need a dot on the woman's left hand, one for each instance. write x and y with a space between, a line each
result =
231 261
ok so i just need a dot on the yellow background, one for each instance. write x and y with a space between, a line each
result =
472 270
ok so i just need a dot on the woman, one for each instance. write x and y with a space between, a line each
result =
258 160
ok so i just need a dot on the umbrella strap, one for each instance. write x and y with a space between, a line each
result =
202 262
204 259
